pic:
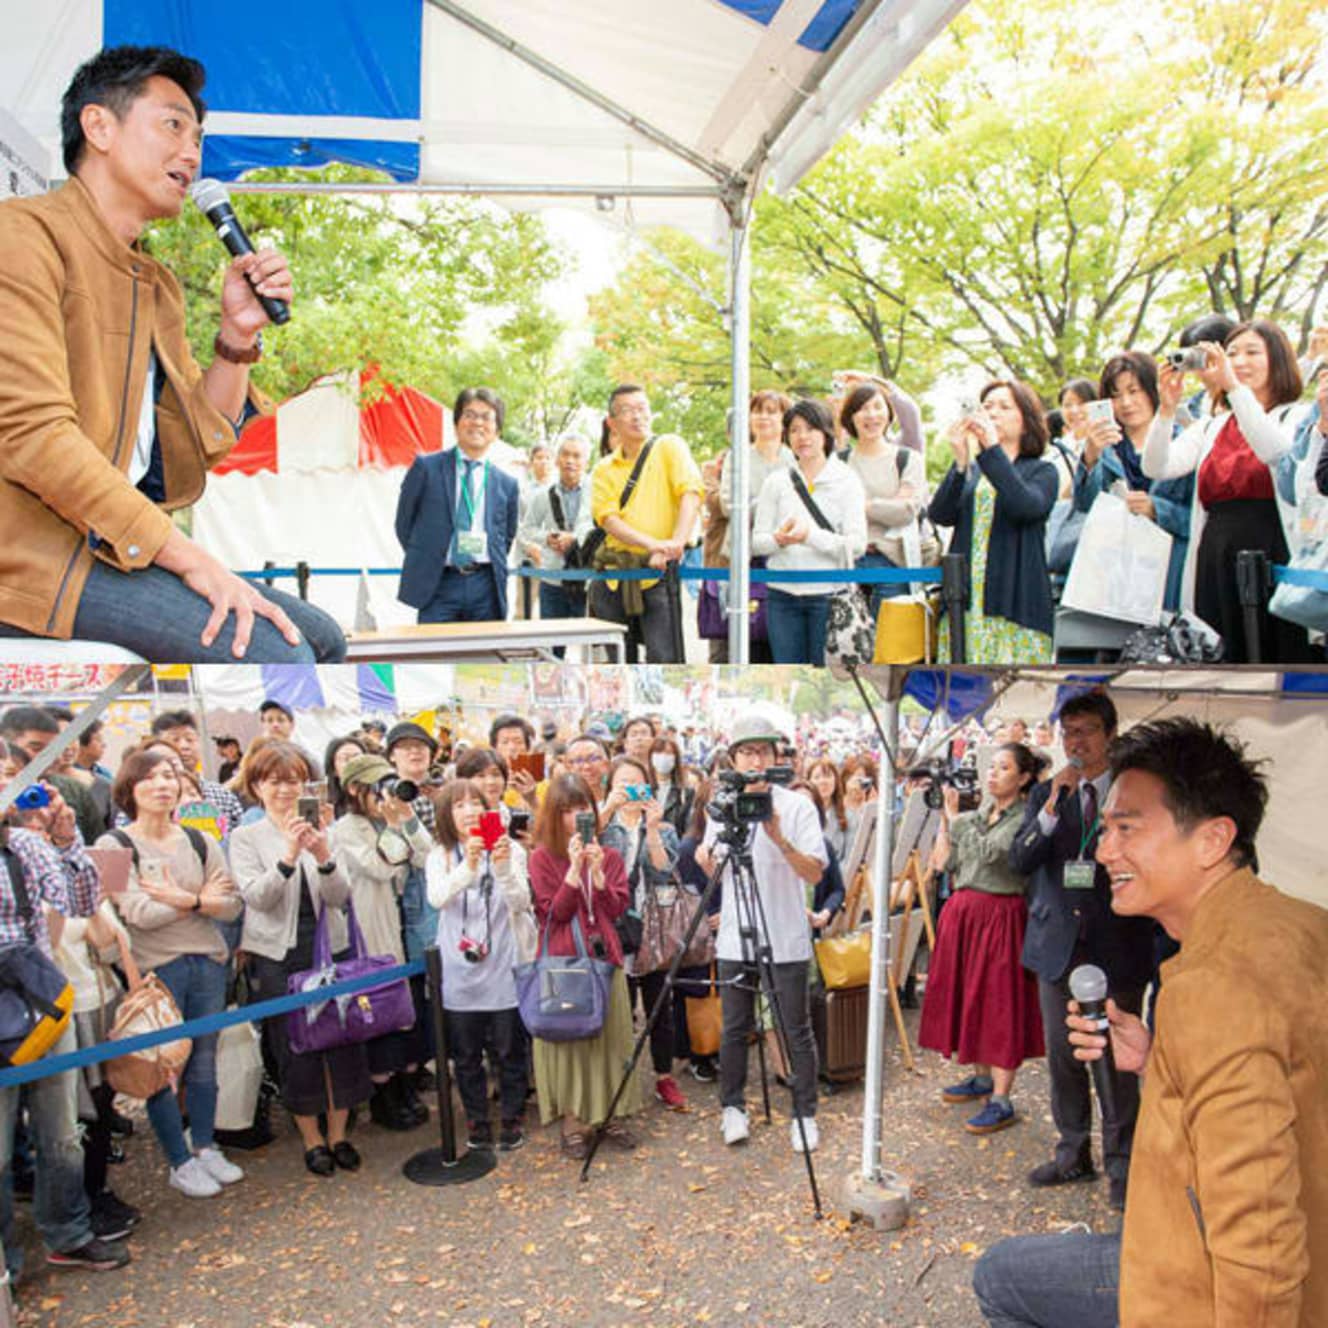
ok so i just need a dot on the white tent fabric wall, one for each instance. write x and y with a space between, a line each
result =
330 518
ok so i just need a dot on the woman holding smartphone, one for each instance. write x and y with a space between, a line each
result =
636 830
286 872
179 889
574 878
485 926
376 843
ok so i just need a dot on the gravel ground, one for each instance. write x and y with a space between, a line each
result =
682 1231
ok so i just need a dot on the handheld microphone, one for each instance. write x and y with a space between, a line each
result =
1077 764
1088 986
215 204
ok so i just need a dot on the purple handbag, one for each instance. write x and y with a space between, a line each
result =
359 1016
711 624
563 999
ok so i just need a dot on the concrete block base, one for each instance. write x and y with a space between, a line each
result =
883 1204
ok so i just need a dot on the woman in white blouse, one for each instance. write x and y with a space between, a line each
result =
794 537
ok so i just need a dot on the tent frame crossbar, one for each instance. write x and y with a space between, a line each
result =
494 190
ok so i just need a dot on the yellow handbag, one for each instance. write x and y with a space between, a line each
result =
906 632
845 961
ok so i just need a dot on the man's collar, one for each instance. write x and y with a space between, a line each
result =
95 228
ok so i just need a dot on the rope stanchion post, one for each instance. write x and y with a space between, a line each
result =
1254 583
954 595
673 590
269 567
441 1166
302 580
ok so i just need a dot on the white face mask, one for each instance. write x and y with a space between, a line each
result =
663 763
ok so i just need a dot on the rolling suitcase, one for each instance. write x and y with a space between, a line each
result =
839 1021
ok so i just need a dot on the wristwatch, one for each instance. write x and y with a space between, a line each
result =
233 356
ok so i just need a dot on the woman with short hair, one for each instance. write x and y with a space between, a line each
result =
812 517
289 877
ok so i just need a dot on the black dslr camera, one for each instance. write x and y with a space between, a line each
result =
734 803
404 790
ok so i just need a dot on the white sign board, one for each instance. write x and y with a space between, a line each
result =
24 164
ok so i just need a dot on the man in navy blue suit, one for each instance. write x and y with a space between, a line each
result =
1070 922
456 520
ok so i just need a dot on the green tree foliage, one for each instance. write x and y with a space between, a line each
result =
1048 184
440 293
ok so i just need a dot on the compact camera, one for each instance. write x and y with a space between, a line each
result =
32 799
473 951
637 792
1190 360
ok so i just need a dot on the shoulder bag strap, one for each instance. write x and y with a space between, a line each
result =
198 842
556 506
635 475
800 488
22 899
125 841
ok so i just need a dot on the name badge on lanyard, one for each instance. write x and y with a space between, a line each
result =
473 544
1079 875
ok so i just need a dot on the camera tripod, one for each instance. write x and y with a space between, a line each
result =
757 974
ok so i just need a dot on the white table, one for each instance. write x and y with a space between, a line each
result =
488 641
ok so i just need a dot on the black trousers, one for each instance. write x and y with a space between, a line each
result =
1072 1092
648 986
500 1033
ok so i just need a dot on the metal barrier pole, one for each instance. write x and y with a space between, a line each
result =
673 592
302 580
954 595
1254 583
268 565
441 1166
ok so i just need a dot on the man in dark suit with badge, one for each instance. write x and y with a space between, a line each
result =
1070 922
456 520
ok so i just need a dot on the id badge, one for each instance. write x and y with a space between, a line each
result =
474 544
1079 875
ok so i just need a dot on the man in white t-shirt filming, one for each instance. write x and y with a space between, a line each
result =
768 921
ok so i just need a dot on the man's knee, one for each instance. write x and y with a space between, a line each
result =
992 1279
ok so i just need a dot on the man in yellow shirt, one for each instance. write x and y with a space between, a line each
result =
650 530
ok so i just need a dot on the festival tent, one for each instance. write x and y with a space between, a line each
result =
648 113
318 481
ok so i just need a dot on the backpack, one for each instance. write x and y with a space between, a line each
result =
36 999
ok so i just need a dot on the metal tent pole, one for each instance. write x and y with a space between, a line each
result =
873 1193
740 340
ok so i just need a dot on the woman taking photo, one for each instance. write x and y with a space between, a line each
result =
179 889
997 495
573 878
285 870
1232 455
810 518
376 843
485 927
894 480
635 829
981 1004
1113 452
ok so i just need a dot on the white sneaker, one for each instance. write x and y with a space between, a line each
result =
736 1130
809 1130
218 1166
194 1179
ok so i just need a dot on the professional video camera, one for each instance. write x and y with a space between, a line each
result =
734 804
964 778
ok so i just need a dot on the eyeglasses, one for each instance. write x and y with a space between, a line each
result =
584 760
479 416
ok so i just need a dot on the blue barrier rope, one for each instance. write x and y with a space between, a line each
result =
1298 576
211 1023
865 576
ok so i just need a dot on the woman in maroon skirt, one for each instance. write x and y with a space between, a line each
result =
981 1004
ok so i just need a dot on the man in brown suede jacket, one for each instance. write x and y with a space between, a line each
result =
1226 1219
106 421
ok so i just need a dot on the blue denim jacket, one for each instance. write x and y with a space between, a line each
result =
616 836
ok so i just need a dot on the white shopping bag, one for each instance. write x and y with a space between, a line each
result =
239 1076
1120 567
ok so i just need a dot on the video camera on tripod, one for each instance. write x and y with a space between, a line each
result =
736 805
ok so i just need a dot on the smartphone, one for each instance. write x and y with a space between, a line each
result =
152 871
310 810
532 763
491 828
518 822
112 866
1100 412
637 792
585 826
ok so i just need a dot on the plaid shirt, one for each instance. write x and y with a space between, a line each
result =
423 808
226 802
63 878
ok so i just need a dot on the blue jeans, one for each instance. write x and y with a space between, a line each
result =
796 624
60 1204
468 598
154 614
1050 1281
199 987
